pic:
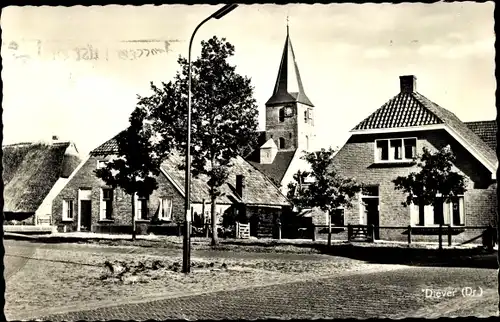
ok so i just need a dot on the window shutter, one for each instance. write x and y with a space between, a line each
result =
160 209
65 209
414 220
168 213
461 208
447 211
102 205
137 207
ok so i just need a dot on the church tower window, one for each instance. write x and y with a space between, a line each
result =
282 114
282 143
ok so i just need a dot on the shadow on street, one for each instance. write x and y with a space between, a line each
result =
472 258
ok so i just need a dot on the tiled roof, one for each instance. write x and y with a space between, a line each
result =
107 148
288 87
409 109
276 170
458 126
258 188
486 130
401 111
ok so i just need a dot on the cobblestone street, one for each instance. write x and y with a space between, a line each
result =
384 294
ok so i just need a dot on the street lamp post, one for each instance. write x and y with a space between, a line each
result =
186 259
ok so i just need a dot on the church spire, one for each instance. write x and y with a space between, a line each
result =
288 87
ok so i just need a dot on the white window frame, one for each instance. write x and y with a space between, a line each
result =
101 164
138 212
163 202
447 214
66 208
338 208
102 204
391 158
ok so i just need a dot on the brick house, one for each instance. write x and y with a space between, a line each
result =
86 204
33 174
381 147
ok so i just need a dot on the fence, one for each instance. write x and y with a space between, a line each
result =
459 235
242 230
443 233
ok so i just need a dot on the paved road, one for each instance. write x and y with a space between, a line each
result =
382 294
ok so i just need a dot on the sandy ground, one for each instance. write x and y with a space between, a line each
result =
53 279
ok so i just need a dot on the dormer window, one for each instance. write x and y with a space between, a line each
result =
395 150
308 116
101 164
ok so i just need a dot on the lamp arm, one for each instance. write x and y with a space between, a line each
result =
192 38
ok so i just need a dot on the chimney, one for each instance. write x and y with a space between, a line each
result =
240 185
55 138
408 83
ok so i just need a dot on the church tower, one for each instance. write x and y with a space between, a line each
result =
289 112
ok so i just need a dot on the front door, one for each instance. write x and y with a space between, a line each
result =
372 214
86 215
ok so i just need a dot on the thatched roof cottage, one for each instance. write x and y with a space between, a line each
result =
33 174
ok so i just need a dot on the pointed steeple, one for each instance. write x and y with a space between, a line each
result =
288 88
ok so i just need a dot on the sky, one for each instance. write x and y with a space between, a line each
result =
350 57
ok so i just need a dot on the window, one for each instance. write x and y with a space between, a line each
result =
282 115
338 217
67 209
306 115
289 135
394 150
101 164
165 209
141 208
281 143
445 213
106 204
457 211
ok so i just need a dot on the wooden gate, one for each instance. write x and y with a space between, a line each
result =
242 230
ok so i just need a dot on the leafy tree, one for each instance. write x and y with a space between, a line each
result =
224 115
327 191
435 182
137 162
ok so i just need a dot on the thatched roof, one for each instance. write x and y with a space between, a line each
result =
30 170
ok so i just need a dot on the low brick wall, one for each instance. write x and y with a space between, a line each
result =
26 229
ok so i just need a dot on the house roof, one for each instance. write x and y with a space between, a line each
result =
276 170
411 109
258 188
486 130
107 148
31 170
403 110
288 87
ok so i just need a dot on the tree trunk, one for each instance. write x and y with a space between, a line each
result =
213 205
133 217
329 228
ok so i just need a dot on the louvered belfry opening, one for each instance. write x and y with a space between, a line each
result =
408 83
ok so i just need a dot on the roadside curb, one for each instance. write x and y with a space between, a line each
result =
89 306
